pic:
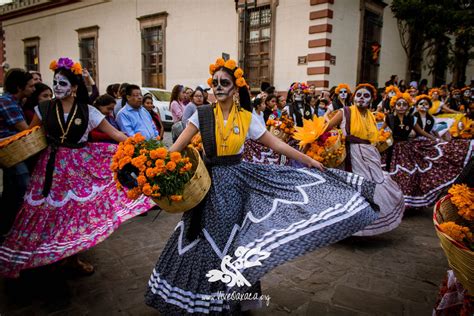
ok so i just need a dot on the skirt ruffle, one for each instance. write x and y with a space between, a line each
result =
255 218
82 209
423 168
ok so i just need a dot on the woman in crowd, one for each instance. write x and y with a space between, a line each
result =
42 93
72 202
148 105
359 126
271 106
187 95
259 107
105 104
384 105
197 99
176 107
254 217
113 90
340 100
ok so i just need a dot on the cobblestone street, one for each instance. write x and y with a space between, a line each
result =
397 273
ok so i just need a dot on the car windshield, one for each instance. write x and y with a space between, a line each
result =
161 95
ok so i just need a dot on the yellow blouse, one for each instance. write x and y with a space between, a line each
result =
363 127
230 137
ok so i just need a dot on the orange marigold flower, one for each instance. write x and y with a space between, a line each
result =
138 138
455 231
171 166
124 161
209 82
141 180
139 161
220 62
212 69
114 166
175 156
161 153
53 65
240 82
133 194
176 198
147 190
238 73
151 172
159 163
129 150
76 69
230 64
118 186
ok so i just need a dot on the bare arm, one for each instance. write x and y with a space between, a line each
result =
115 134
448 110
422 132
185 138
35 121
21 126
335 121
280 147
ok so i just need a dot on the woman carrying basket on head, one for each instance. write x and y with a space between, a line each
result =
72 202
254 217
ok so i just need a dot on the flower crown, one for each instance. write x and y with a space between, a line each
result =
434 90
367 86
342 86
232 66
465 88
66 63
422 97
300 85
455 91
405 96
392 88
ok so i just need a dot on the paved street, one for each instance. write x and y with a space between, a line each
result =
394 274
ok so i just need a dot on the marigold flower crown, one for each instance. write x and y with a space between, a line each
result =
300 85
422 97
367 86
342 86
405 96
232 66
66 63
434 90
392 88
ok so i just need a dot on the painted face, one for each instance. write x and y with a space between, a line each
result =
222 86
413 92
363 98
298 95
435 96
61 86
45 95
423 106
401 106
343 94
391 94
457 96
467 93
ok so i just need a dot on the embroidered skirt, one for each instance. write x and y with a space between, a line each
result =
255 217
82 209
423 168
258 153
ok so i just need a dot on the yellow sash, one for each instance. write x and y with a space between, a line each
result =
363 127
435 107
231 136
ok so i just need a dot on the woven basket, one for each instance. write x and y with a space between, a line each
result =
194 191
460 259
383 146
339 159
279 133
23 148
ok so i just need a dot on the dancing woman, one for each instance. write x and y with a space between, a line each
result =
254 217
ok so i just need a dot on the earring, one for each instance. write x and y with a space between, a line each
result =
73 94
236 99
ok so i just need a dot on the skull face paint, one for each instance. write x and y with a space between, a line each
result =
343 94
467 93
435 96
401 106
423 106
363 97
391 94
298 95
222 86
62 86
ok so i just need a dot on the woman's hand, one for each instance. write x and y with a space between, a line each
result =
316 164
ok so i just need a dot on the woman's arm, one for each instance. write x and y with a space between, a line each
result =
335 121
280 147
422 132
35 121
113 133
445 108
185 138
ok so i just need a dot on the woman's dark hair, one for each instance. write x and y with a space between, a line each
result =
113 89
244 93
82 95
427 99
16 79
197 89
257 102
175 93
271 97
32 101
103 100
146 97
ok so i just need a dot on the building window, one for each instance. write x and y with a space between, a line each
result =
31 53
88 50
257 28
153 50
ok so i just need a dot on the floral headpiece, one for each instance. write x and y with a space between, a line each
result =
232 66
455 91
367 86
405 96
422 97
434 90
342 86
66 63
465 88
300 85
392 88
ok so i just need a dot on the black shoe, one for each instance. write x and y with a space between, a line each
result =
143 214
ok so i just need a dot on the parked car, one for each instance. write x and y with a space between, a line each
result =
161 102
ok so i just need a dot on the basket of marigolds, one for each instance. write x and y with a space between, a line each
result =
282 127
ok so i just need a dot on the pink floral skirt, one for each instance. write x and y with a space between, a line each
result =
82 209
423 168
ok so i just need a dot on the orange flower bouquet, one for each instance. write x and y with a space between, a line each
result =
19 147
385 140
454 222
464 128
325 147
147 167
282 127
196 142
379 117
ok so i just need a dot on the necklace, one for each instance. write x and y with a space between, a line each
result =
235 129
64 136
